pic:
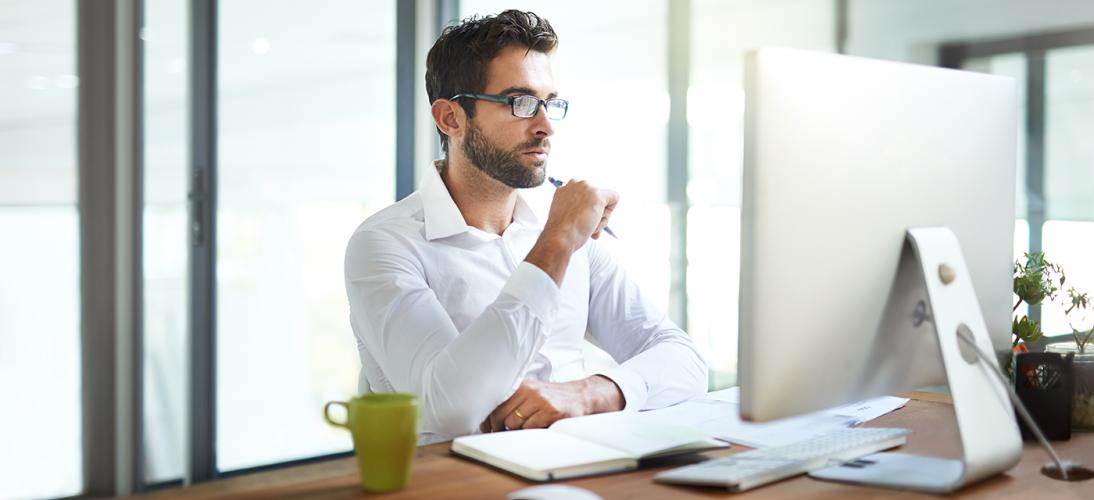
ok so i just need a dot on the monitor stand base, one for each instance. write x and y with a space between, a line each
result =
933 268
898 471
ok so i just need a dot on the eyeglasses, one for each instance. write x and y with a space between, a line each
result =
524 106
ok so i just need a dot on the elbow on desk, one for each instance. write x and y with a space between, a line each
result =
691 361
702 371
699 380
450 422
446 416
676 387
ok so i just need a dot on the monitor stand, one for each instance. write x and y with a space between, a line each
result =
932 273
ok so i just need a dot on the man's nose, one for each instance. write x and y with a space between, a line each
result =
541 125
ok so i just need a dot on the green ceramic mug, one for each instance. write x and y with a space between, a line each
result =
385 433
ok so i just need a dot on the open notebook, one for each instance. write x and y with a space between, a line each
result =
572 447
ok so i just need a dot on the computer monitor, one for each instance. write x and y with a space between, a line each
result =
842 156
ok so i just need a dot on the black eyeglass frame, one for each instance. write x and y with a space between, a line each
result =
511 100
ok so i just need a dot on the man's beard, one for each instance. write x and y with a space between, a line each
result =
504 166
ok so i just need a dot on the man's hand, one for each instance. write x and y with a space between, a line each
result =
538 404
579 211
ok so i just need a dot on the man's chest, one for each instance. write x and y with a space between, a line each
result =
467 278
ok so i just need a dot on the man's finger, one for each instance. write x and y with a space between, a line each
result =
541 419
514 421
611 199
529 413
497 421
600 227
607 211
497 417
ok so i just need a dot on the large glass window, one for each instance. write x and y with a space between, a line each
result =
1068 230
166 277
1068 237
40 423
306 152
914 31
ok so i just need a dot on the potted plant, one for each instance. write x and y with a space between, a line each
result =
1036 281
1077 308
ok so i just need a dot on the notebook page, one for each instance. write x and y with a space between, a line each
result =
538 449
628 432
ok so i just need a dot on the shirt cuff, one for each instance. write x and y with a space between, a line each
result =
631 384
534 288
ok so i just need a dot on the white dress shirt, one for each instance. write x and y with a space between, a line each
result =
453 314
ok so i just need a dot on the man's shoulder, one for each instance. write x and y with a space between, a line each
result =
387 238
403 217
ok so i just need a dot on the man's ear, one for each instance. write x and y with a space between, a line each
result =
449 117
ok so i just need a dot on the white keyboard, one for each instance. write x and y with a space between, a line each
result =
758 467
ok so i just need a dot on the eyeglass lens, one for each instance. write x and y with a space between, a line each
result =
527 106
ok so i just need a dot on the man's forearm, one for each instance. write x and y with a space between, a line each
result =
602 395
552 255
658 388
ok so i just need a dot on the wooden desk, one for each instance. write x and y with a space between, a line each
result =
436 474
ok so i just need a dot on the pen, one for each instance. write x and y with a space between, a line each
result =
557 184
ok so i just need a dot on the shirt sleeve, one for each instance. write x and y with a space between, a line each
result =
659 364
460 376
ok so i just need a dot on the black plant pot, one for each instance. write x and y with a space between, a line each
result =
1044 383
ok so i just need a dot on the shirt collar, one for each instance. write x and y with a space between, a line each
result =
523 213
443 218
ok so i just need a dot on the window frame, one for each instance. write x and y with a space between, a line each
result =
110 201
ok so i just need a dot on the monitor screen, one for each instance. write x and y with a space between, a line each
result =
842 156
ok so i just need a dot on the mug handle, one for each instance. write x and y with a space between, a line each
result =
326 413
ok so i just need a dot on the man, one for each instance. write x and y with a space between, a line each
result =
459 295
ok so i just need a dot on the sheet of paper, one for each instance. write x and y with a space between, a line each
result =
719 416
869 409
730 395
862 411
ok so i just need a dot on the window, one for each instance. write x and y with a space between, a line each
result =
1068 236
1066 216
41 424
306 152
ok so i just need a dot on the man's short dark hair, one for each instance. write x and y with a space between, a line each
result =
457 62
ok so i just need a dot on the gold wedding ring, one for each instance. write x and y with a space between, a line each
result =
517 413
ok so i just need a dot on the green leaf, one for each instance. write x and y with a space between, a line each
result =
1036 279
1026 329
1029 288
